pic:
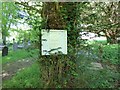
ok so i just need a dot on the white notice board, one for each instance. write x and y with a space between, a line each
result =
54 41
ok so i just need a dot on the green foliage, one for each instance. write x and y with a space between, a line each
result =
35 21
27 78
23 35
9 12
101 17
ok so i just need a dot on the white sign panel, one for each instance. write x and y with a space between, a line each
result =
54 41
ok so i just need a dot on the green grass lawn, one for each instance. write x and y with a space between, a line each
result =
18 55
27 78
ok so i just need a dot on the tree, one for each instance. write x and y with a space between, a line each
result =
102 17
111 21
62 15
9 12
55 15
33 9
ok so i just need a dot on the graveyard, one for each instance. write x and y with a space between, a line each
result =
59 45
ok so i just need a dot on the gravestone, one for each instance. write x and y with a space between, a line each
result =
5 51
118 39
29 43
15 46
25 45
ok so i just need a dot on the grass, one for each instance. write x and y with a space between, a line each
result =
18 55
105 78
109 52
27 78
103 42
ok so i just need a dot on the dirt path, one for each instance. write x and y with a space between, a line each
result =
10 69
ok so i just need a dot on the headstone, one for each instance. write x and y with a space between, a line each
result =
29 43
25 45
1 47
5 51
118 39
15 46
96 66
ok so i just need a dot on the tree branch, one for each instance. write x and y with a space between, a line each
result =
30 7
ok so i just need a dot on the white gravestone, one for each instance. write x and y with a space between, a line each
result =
54 41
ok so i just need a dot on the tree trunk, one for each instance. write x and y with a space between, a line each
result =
4 39
112 40
52 15
111 36
55 68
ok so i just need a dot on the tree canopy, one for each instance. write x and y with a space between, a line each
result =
9 13
102 17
